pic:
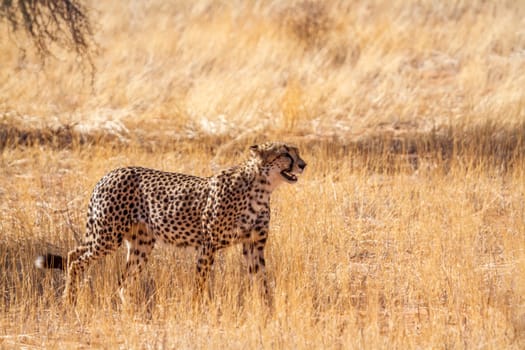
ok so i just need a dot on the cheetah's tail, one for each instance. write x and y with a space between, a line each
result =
50 261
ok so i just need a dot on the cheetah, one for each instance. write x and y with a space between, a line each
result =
143 207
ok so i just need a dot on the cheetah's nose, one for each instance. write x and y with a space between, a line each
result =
301 165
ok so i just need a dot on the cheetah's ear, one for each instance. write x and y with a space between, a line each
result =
257 151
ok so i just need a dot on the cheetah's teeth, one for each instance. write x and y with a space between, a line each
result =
289 176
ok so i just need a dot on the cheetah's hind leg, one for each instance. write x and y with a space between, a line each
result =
78 261
139 246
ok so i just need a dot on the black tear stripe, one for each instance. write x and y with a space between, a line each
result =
290 168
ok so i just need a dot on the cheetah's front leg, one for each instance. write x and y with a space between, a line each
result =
205 258
253 253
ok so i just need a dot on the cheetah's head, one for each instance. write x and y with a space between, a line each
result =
282 161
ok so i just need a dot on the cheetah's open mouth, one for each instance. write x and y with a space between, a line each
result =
288 175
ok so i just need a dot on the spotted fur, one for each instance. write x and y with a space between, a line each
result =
143 207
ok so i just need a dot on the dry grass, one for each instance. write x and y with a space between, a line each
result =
371 260
407 230
312 68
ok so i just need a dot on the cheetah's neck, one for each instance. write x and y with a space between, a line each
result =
260 175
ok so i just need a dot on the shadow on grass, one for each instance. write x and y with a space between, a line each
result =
491 144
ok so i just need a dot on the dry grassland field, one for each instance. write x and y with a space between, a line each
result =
406 231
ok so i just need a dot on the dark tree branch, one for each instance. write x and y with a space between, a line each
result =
64 23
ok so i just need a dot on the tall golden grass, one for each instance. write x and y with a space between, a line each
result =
311 68
406 231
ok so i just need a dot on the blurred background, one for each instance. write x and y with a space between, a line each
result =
342 70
